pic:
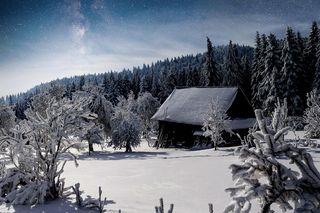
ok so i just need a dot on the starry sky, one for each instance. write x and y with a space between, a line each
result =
41 40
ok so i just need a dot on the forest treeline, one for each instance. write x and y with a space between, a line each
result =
275 68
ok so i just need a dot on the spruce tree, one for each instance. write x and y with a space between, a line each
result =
232 67
310 56
255 77
112 92
291 73
145 84
258 96
81 82
270 86
246 76
210 75
73 87
155 85
189 81
136 82
105 82
301 84
316 81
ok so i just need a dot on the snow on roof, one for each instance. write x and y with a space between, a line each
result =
190 105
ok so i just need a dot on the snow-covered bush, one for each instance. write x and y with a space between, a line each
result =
216 123
147 105
261 176
38 150
7 118
126 129
312 115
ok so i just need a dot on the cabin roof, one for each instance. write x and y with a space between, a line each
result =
191 105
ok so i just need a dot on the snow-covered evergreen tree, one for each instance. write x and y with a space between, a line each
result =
262 177
316 80
38 150
246 76
255 71
232 67
210 75
270 88
258 68
112 90
310 56
145 84
292 73
155 84
81 82
216 123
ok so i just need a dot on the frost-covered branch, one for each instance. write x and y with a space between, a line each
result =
262 177
312 115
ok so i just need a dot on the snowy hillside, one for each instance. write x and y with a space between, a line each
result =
136 181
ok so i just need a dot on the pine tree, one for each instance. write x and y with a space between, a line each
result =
246 76
232 67
210 75
155 85
146 83
255 72
81 82
112 92
259 75
270 87
73 87
310 56
182 75
105 82
301 84
135 82
291 73
316 81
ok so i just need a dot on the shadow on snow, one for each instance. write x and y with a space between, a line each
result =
121 155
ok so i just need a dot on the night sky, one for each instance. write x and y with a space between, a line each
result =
48 39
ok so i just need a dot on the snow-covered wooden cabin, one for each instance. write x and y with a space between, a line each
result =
182 115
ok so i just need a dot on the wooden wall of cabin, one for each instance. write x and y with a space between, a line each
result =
176 135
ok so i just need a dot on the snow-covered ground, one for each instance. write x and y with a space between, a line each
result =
136 181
